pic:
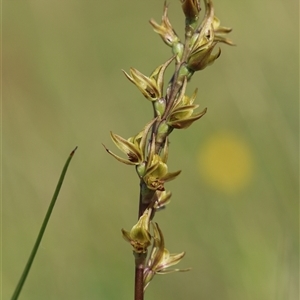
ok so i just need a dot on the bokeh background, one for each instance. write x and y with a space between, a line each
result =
234 208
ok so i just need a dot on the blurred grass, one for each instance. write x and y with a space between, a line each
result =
62 87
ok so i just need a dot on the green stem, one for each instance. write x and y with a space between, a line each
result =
42 230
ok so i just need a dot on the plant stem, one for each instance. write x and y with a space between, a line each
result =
139 276
140 258
42 230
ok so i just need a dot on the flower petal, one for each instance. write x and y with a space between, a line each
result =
185 123
120 159
133 152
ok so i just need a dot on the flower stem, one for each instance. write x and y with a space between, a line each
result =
139 276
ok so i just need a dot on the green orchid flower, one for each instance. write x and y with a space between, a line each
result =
139 236
134 147
160 258
165 30
205 39
182 114
162 198
152 86
156 171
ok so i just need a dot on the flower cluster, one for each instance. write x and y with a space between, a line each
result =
153 170
173 109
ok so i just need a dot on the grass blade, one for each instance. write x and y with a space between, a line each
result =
42 230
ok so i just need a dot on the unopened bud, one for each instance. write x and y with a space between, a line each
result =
191 9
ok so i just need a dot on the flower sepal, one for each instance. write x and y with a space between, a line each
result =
139 236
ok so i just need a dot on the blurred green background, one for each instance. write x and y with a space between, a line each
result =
234 208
